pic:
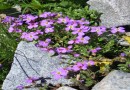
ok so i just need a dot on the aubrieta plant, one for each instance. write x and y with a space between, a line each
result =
92 48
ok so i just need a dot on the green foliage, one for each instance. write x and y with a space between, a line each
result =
8 45
4 5
75 9
125 66
103 59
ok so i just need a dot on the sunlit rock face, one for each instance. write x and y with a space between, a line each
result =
114 12
115 80
30 61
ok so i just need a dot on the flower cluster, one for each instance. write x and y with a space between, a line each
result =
95 50
46 27
59 34
29 80
63 72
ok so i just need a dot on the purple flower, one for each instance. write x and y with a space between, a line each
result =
64 50
46 23
17 22
29 36
32 25
31 80
18 30
53 14
44 43
81 31
118 29
20 87
39 32
99 30
73 22
45 14
76 55
71 41
79 66
61 50
23 36
83 21
70 27
94 51
23 16
8 19
49 29
83 40
90 63
11 29
29 18
49 50
69 68
60 73
63 20
122 54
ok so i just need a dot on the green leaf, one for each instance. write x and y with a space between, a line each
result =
109 45
4 6
36 4
1 1
33 5
64 3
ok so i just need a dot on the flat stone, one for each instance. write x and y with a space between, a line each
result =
115 80
114 12
66 88
35 63
122 42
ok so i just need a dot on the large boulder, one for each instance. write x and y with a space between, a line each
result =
114 12
116 80
31 61
66 88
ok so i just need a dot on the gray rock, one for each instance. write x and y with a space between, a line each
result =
66 88
114 12
115 80
36 63
128 33
123 42
17 7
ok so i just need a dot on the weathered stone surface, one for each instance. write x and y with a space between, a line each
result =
123 42
66 88
114 12
128 33
13 11
17 7
116 80
36 63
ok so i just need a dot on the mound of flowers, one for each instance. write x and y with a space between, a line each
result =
93 49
